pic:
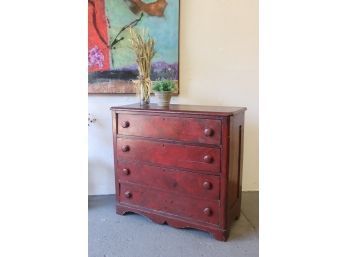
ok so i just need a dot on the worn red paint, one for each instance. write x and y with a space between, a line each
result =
175 128
174 180
169 154
163 201
162 174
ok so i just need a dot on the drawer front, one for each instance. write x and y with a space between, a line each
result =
203 210
181 129
174 155
175 181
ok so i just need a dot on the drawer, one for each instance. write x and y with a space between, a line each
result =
203 210
207 131
169 154
175 181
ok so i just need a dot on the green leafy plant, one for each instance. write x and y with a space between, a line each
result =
163 86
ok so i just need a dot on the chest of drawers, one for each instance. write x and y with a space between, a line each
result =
180 165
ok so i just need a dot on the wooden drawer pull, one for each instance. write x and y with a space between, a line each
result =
208 132
125 171
125 124
128 194
208 159
207 211
125 148
207 185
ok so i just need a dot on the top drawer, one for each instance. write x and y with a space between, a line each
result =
182 129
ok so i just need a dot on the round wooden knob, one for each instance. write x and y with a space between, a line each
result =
125 124
125 171
207 185
208 132
207 211
128 194
208 159
125 148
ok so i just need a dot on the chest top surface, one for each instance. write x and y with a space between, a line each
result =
179 108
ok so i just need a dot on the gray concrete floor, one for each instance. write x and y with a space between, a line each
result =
112 235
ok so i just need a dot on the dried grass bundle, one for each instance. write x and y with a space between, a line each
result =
144 48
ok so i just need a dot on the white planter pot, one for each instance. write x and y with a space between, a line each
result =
163 98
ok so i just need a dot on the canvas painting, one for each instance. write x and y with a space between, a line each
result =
111 62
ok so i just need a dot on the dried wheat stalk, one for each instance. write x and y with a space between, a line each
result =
143 47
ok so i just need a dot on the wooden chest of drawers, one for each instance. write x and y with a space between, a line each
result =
180 165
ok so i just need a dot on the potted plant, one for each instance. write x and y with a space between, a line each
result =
163 91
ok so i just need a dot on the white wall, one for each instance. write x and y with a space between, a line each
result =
218 66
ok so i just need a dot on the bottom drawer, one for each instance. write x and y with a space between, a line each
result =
202 210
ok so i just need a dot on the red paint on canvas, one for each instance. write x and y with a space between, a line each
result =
98 50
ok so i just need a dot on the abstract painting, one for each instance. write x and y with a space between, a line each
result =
111 62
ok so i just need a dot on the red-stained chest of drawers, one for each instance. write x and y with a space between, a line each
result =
180 165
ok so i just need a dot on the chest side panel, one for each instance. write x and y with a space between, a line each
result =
235 166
